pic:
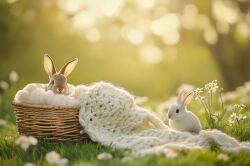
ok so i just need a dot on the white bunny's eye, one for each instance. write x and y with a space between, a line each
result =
177 111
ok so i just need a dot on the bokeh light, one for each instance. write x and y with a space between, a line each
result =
131 36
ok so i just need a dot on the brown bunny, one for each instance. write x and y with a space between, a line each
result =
58 80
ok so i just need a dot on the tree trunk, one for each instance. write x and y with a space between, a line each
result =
233 60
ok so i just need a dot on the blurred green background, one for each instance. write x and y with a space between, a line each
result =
150 47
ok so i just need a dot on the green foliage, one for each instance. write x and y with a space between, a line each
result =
216 115
206 97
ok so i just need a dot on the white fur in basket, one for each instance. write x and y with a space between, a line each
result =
36 94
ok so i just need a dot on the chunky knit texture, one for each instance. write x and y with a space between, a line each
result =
111 118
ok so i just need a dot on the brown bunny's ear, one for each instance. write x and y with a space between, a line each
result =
49 66
68 67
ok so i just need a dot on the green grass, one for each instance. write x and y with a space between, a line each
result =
86 154
81 154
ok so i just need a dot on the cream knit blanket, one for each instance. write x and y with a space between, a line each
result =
110 116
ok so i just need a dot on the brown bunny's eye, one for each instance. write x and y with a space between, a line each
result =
177 111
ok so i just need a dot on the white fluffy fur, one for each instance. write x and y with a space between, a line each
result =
35 94
183 120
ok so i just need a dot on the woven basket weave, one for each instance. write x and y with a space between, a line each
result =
49 122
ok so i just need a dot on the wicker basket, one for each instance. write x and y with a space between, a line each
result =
49 122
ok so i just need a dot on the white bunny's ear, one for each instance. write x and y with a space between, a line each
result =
180 98
185 98
49 66
68 67
188 98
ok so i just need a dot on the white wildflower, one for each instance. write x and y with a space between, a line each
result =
232 118
25 141
13 76
29 164
235 118
236 107
4 85
126 159
239 107
55 158
242 117
212 87
198 90
215 117
104 156
2 122
170 153
198 94
223 157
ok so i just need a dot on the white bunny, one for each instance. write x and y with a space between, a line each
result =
182 119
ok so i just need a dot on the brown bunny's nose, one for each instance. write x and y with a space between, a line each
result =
60 89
